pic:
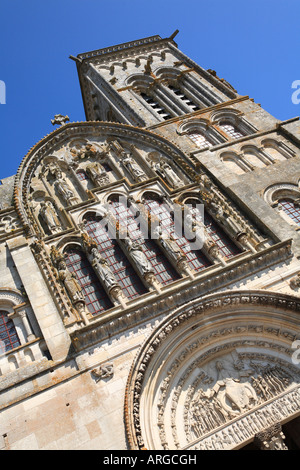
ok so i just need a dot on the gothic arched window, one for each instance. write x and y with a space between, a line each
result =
108 247
8 335
164 272
95 296
195 258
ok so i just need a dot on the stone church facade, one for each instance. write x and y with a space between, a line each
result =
118 330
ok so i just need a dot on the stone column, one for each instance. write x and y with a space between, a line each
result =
20 310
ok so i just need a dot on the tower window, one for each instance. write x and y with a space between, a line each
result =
178 92
156 106
199 139
289 207
8 335
231 130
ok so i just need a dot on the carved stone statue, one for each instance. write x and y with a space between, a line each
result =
169 174
102 268
67 278
203 240
64 190
136 252
70 282
168 243
87 151
103 372
236 389
226 219
132 167
97 174
271 438
49 216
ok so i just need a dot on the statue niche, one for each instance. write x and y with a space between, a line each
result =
63 189
162 167
69 281
49 217
132 167
97 173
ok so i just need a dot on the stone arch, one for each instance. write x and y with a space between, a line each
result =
277 149
234 117
56 143
234 162
10 298
285 198
203 127
213 353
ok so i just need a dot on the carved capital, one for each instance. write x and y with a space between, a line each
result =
271 438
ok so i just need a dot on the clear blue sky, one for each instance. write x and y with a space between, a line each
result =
252 44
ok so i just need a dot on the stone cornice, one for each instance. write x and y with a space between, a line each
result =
120 48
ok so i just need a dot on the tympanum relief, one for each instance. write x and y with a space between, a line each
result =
225 402
233 388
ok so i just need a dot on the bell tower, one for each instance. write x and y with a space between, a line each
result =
145 82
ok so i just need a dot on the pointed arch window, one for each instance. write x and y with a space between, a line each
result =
96 298
195 258
8 335
124 273
164 272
